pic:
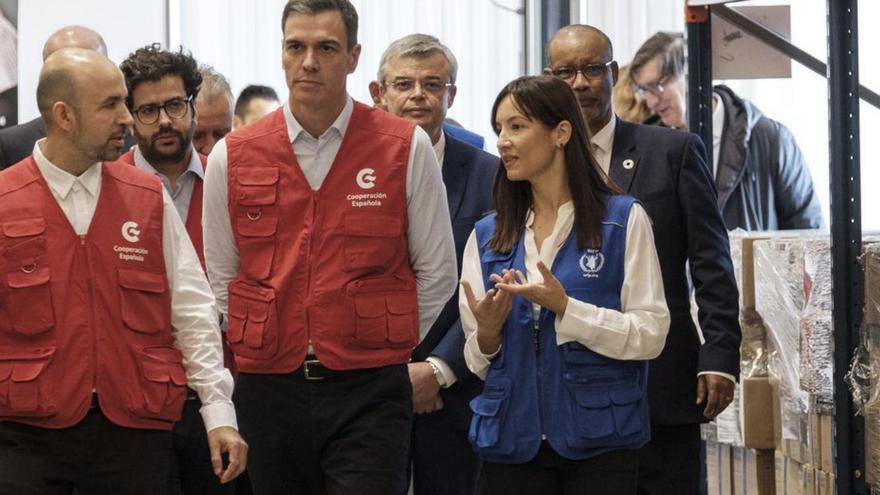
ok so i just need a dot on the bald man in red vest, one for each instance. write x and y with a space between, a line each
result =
107 315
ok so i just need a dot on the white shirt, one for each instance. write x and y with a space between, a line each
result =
637 331
181 193
603 143
440 148
429 231
193 320
717 132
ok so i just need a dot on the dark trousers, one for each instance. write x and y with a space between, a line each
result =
347 433
670 462
190 468
94 457
611 473
443 461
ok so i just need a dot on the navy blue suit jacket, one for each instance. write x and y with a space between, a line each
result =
468 174
667 171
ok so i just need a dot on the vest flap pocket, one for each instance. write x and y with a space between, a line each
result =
487 406
401 304
252 331
575 353
372 225
592 399
25 389
21 249
257 223
24 228
403 323
21 279
141 280
29 299
163 388
257 176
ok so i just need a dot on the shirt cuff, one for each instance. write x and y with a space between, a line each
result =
219 414
446 377
718 373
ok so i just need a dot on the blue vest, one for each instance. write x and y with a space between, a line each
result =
584 403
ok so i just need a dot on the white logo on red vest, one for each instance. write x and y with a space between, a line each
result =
365 178
591 263
130 231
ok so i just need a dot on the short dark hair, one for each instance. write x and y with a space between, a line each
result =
250 93
670 48
151 63
312 7
549 100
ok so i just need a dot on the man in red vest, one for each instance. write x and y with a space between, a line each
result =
161 88
329 246
107 315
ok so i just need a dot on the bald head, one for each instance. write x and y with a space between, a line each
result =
584 36
65 73
74 37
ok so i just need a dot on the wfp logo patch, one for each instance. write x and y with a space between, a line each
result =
591 263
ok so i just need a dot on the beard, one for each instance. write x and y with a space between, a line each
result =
106 151
149 148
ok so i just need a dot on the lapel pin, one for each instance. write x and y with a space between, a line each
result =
628 164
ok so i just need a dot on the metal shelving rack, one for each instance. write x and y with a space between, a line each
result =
844 92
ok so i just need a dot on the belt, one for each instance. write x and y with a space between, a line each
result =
313 370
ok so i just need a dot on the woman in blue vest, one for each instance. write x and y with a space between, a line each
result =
563 350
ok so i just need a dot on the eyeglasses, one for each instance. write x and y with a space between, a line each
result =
589 71
175 108
655 88
434 87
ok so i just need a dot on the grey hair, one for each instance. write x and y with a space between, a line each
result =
214 84
417 46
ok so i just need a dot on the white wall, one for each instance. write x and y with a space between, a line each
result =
245 44
125 26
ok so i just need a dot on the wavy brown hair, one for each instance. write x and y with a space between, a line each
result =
549 100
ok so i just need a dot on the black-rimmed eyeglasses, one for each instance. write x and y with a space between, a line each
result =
589 71
405 85
175 108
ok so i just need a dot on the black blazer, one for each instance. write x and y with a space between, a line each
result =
667 171
468 174
17 142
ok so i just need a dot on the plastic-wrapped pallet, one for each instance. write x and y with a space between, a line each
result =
868 388
817 336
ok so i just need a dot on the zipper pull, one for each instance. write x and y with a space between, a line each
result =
536 333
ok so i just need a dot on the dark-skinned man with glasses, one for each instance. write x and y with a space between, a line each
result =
161 88
693 378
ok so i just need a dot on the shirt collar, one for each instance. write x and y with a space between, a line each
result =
194 166
294 129
440 148
60 180
605 137
564 209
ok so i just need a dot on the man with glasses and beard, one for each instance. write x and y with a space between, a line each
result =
161 88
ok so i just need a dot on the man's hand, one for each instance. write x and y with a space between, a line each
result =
226 439
549 294
716 392
425 389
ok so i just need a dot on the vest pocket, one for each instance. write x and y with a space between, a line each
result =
26 389
489 409
253 327
613 415
370 240
143 302
256 228
29 300
386 319
163 383
257 186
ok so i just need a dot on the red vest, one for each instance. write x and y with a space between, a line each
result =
330 266
194 215
83 313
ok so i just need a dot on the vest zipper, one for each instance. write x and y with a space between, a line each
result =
308 294
536 332
82 240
